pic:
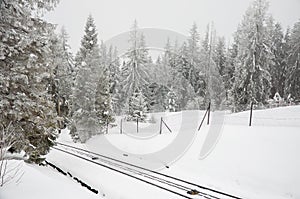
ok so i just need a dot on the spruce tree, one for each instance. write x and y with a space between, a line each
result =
171 101
252 78
25 74
279 66
114 81
213 82
220 56
137 107
103 101
293 71
62 81
193 56
134 74
85 121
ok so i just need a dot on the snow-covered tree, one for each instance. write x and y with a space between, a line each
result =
171 101
103 101
156 95
137 107
113 65
213 82
25 73
228 77
176 59
62 81
84 114
220 56
280 54
163 66
193 57
134 73
252 78
293 71
84 118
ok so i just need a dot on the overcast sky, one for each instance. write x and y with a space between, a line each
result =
113 17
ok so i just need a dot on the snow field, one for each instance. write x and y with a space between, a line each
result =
260 161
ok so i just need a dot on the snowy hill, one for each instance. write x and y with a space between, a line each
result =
35 182
260 161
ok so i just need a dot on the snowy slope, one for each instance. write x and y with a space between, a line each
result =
41 182
251 162
261 161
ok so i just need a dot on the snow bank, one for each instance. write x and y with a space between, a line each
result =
257 162
42 182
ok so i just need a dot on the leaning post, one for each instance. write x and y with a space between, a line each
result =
208 116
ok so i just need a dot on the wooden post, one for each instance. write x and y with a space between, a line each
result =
160 128
166 125
208 109
106 126
121 126
202 119
250 120
58 113
137 125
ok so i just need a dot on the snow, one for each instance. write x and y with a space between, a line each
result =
261 161
91 28
41 182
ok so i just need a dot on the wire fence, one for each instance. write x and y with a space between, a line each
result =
158 123
253 115
265 115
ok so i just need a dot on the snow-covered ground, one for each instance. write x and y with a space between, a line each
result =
36 182
261 161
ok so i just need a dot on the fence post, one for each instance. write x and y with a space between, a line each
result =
250 121
208 113
202 119
166 125
121 126
106 126
160 128
137 125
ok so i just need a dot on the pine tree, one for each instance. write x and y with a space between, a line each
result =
88 62
156 95
171 101
103 104
137 107
229 78
205 65
213 82
279 65
163 64
62 80
25 74
134 74
114 81
293 74
220 56
252 79
193 52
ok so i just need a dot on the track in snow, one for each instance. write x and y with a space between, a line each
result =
165 182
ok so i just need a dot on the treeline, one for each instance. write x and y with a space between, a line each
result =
44 89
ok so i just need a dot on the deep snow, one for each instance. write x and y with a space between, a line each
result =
261 161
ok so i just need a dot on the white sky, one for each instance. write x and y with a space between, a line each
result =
113 17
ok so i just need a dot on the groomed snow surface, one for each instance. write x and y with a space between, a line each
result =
261 161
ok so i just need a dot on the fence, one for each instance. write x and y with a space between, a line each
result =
154 126
259 115
254 115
